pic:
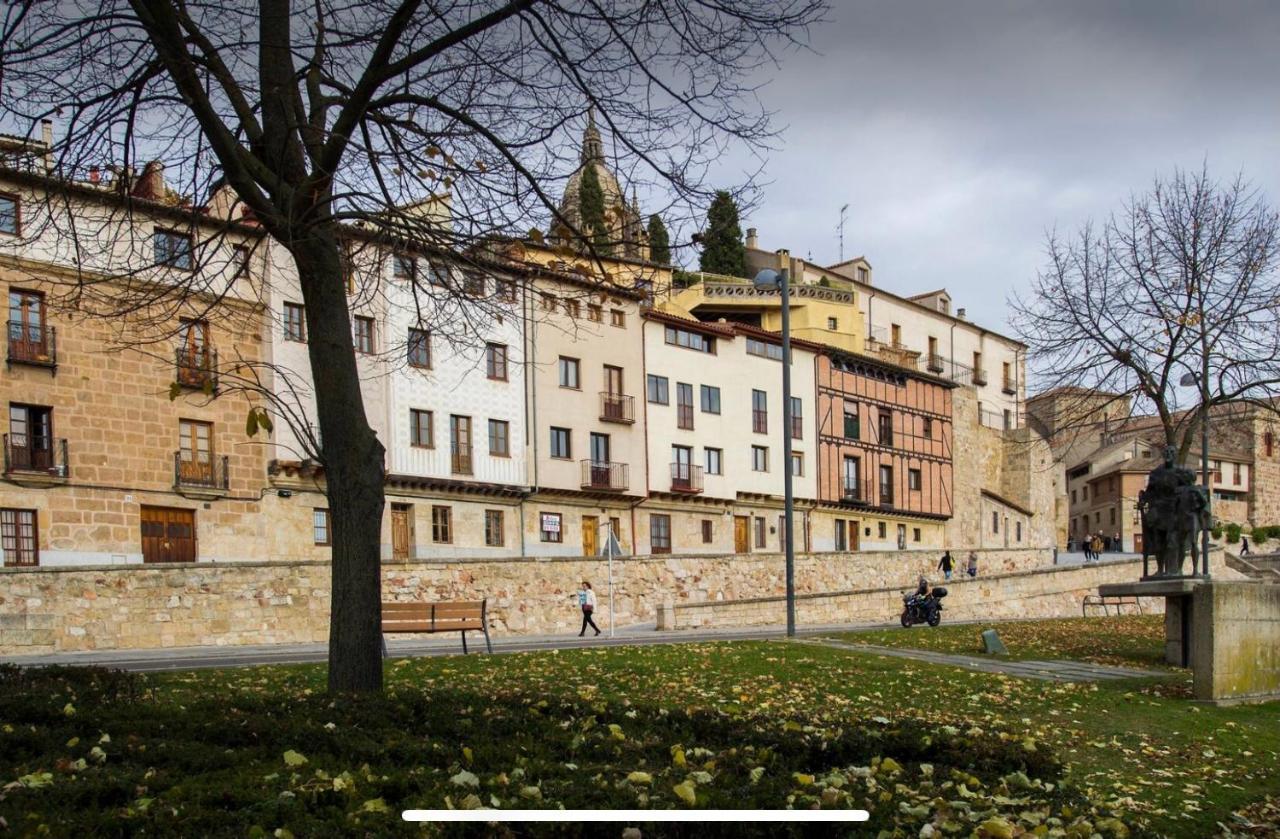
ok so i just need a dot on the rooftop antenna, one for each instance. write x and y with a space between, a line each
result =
844 214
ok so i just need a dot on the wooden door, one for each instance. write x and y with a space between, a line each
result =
400 531
590 531
1137 543
741 534
855 534
168 535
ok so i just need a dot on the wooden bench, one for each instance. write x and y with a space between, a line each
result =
460 617
1107 602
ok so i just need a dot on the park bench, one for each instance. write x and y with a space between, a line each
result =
1107 602
460 617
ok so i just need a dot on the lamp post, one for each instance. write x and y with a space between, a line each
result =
770 279
1188 380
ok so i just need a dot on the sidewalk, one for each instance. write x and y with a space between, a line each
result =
194 658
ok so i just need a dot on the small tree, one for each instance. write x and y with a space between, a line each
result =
591 208
659 241
722 248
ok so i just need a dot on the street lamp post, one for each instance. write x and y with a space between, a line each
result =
770 279
1187 381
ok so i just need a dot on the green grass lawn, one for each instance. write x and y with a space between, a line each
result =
1126 640
259 750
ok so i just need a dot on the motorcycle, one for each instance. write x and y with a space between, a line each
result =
923 608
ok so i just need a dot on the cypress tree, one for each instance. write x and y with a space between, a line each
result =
591 209
722 248
659 241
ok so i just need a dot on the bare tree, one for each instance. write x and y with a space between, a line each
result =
326 116
1182 280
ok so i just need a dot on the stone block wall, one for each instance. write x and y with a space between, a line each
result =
1236 641
46 610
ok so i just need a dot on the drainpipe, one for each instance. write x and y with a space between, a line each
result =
644 430
531 402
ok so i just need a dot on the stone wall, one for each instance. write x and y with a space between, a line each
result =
121 607
1236 641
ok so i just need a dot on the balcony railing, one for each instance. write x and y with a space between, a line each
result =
684 417
460 461
979 377
856 492
207 473
35 455
599 474
196 368
1010 387
886 496
797 428
936 363
616 407
30 344
759 421
685 477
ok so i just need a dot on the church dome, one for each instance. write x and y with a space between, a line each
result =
623 220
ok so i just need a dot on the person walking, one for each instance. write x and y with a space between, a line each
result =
587 602
1086 545
1097 547
1117 544
973 563
1244 545
944 565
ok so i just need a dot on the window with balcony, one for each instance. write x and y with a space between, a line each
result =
495 362
499 438
979 375
759 412
196 463
421 432
494 529
173 249
569 373
710 399
363 327
852 489
852 422
441 524
895 334
419 347
295 324
684 405
660 533
759 459
31 339
886 485
657 390
460 444
885 427
10 214
195 358
19 538
30 445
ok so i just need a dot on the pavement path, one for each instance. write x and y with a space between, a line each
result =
1049 671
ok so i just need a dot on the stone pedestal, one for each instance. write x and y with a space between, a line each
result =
1179 612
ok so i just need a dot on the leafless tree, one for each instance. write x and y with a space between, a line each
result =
329 116
1182 280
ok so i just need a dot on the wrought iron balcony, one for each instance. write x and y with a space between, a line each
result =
460 461
797 428
936 363
196 368
685 477
1010 387
606 475
759 421
617 407
35 345
856 492
886 496
979 377
31 455
204 472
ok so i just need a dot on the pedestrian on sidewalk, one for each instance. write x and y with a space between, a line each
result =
944 565
1117 543
973 563
1097 547
587 602
1244 545
1086 545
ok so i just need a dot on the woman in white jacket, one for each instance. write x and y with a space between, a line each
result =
587 600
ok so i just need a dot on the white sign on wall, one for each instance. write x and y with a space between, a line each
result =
550 523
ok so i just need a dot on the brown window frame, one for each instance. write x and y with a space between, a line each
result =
17 213
495 361
290 311
418 340
708 531
595 313
618 318
167 233
551 536
12 537
660 545
441 524
568 443
364 328
415 428
328 527
505 437
495 537
569 363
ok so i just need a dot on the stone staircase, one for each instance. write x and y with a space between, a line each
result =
1262 567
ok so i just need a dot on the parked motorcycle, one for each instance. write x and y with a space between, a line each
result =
923 608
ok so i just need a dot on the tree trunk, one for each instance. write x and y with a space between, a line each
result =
353 468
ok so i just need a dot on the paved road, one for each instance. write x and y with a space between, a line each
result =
1049 671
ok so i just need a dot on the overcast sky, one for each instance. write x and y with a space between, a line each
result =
959 132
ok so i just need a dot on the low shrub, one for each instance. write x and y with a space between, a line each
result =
1260 535
1233 533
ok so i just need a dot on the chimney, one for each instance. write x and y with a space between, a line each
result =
784 258
95 175
46 136
960 313
753 241
151 182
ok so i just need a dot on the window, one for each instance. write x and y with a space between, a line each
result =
1113 515
436 274
460 444
195 452
295 327
507 292
759 412
494 532
852 423
1235 478
1084 493
1268 441
915 534
886 428
550 527
499 438
320 527
659 533
1018 530
886 484
1073 496
173 249
759 459
569 369
842 541
573 308
797 418
364 335
710 399
764 350
240 261
595 313
18 537
882 530
852 482
548 301
10 214
833 324
797 464
758 524
403 266
495 361
995 522
560 444
684 405
419 346
618 318
933 351
690 340
977 365
421 430
473 284
714 461
895 334
441 524
708 531
658 390
864 276
913 479
928 428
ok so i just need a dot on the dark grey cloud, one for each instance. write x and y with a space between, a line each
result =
959 132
